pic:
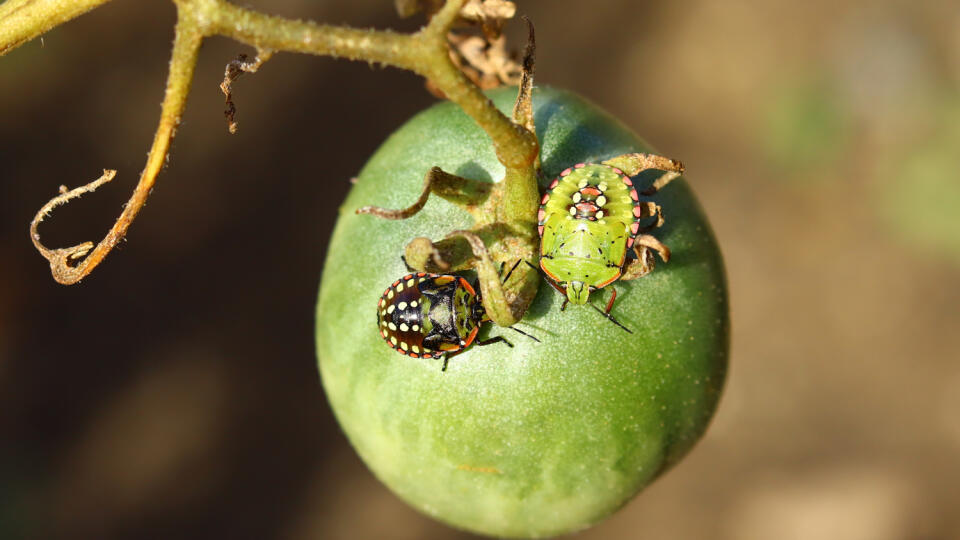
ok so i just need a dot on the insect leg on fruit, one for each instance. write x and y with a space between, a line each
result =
560 290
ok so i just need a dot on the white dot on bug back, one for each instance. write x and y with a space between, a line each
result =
404 327
601 200
413 304
392 327
391 308
415 328
410 282
402 305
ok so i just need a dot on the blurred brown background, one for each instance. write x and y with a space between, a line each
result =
174 393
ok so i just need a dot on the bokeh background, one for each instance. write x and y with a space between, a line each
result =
174 394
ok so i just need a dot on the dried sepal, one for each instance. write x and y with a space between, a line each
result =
480 55
463 192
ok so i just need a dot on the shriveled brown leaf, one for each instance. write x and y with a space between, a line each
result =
488 10
481 56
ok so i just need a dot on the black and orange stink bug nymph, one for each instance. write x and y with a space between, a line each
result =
433 315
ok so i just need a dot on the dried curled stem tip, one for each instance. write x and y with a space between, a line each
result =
633 164
523 108
63 261
232 72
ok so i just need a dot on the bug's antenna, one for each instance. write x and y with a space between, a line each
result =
517 330
611 317
512 268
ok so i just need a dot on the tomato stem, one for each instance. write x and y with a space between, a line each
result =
508 212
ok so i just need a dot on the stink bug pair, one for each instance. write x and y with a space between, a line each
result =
590 217
433 315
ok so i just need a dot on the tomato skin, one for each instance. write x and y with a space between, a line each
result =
544 438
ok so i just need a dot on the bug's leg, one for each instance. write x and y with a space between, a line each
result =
510 273
559 289
409 269
493 340
448 356
610 317
461 191
610 303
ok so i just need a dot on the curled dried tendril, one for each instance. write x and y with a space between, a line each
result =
235 68
424 52
64 261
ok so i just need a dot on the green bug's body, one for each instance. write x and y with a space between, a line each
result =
588 220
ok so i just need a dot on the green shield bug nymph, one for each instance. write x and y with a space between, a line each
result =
590 217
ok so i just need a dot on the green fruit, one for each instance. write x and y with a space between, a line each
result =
542 438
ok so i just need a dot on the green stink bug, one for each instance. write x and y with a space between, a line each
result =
590 217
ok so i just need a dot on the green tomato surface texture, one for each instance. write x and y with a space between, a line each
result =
542 438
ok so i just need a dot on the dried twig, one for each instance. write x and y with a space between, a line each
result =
235 68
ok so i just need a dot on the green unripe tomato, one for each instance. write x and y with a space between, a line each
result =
542 438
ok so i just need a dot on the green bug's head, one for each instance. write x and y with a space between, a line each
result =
578 293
